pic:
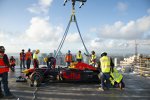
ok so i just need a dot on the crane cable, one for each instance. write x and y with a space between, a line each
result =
81 36
72 19
65 34
34 93
62 40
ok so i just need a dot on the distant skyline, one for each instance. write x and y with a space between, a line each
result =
106 25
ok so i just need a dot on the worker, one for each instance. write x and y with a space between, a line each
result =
4 69
92 60
22 59
28 58
105 71
79 56
68 58
116 79
36 59
50 61
12 62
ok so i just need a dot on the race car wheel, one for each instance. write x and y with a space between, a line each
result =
36 78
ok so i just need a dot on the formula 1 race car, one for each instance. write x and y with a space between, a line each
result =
81 72
76 72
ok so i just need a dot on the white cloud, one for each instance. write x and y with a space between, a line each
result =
102 43
137 29
11 41
73 37
109 45
39 35
122 44
93 29
96 42
41 30
41 7
148 11
45 3
1 34
118 46
122 6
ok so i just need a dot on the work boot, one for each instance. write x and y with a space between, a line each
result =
101 89
120 86
1 95
9 97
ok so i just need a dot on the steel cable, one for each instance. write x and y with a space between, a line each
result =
63 39
34 93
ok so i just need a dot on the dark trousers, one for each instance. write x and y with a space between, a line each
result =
22 63
49 65
105 82
28 62
4 80
68 63
79 60
12 67
36 63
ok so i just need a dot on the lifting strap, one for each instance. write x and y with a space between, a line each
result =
72 19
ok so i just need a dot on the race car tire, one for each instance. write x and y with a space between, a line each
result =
36 79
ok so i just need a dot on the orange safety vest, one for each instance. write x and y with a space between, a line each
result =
22 55
28 55
68 58
3 67
12 61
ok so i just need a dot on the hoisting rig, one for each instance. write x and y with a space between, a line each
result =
72 19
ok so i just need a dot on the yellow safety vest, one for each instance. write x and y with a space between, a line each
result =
112 81
79 56
35 56
105 64
116 75
92 59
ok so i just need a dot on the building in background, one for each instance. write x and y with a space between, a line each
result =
140 64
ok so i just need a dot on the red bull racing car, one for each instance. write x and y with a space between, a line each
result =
76 72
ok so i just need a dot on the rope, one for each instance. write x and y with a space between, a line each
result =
34 93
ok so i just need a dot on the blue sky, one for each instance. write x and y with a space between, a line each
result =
106 25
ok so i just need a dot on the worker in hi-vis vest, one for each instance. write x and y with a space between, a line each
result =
36 59
79 56
22 59
116 79
92 60
28 58
4 69
105 64
68 58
